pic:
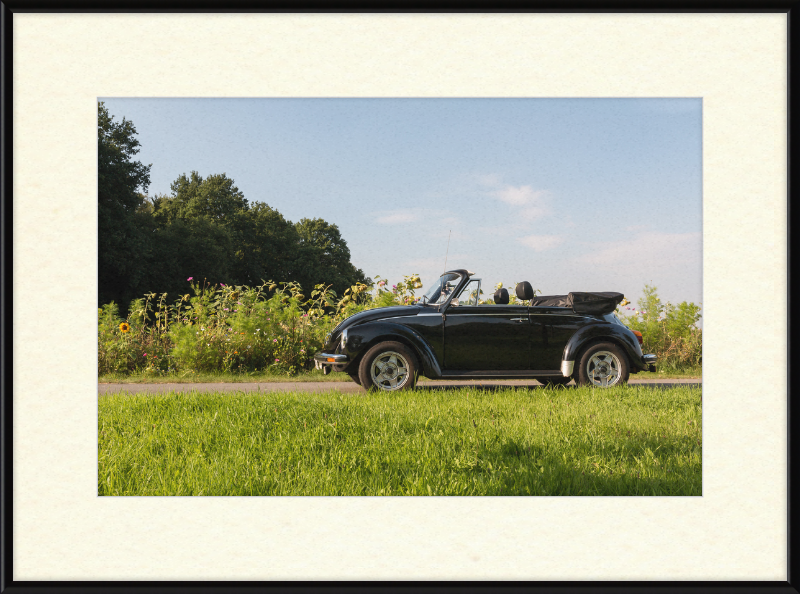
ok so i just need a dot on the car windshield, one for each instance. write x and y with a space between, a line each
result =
440 292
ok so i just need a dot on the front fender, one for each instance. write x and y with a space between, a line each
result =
605 331
363 337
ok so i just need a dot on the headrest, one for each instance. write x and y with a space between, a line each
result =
501 297
524 291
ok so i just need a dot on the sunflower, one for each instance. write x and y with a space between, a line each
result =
124 327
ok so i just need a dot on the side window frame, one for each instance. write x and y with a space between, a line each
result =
466 286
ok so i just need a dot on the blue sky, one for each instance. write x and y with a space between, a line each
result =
568 194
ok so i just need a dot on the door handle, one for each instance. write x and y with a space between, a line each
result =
519 319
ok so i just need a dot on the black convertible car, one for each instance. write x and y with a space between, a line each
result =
448 334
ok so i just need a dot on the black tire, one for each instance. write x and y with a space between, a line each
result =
602 365
554 381
354 377
401 373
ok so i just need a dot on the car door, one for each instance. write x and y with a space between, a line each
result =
551 329
487 337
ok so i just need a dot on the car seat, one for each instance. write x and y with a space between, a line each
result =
524 291
501 297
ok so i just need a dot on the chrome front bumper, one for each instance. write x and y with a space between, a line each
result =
323 361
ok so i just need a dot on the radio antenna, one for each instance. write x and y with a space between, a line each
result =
447 252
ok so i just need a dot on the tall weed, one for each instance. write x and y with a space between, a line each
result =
669 331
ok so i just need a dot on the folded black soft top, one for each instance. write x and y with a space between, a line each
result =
588 303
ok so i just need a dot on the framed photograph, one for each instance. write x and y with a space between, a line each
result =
733 66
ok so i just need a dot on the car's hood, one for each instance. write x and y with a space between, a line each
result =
377 314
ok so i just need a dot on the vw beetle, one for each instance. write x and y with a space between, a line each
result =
449 334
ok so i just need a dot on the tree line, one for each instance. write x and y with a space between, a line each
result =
205 229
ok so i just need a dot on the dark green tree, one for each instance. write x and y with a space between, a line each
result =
214 198
205 229
265 246
260 242
323 256
197 248
121 240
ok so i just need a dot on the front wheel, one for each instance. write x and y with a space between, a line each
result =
603 365
389 367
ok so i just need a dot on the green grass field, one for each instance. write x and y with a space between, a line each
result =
575 441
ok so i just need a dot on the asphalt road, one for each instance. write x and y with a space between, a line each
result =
348 387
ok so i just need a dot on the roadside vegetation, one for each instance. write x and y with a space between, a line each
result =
240 333
668 330
272 329
627 440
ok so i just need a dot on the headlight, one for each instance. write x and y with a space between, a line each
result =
328 337
343 340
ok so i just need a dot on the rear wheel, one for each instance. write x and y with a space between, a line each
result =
603 365
389 367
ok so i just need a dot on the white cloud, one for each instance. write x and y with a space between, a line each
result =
519 196
441 219
652 250
528 203
541 243
400 216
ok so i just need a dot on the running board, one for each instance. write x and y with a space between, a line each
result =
507 374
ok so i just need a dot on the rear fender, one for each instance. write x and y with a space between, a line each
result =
615 333
363 337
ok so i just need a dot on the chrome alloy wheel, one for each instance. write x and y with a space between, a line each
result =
603 369
389 371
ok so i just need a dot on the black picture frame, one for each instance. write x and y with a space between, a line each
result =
7 581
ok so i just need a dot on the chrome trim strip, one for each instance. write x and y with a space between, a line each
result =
484 309
384 319
567 367
323 358
499 374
